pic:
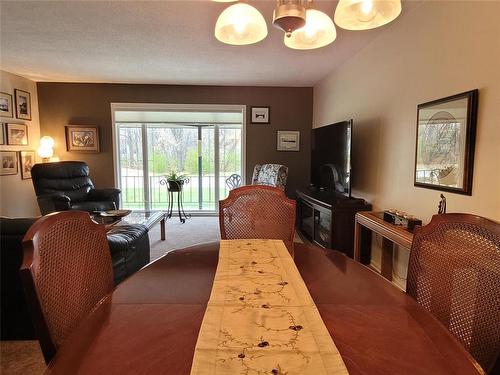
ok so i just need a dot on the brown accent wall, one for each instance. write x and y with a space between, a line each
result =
89 104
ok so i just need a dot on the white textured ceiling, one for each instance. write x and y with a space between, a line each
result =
169 42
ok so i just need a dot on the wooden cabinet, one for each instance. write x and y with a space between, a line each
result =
327 218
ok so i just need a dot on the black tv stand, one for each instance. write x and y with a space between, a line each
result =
326 218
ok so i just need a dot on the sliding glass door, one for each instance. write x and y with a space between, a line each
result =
206 153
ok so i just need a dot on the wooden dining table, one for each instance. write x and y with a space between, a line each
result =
150 323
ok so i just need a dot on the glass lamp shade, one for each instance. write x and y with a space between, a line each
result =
318 32
45 150
240 24
366 14
47 141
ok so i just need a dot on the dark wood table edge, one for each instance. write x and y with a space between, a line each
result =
107 300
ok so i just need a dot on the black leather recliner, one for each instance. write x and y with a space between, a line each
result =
66 185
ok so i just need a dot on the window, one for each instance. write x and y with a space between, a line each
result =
206 143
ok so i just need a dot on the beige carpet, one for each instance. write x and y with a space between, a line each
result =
21 358
194 231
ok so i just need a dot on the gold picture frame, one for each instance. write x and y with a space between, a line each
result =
27 160
23 104
80 138
17 134
8 163
6 105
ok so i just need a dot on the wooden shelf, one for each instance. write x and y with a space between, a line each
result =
367 222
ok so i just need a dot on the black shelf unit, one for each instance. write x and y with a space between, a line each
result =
326 218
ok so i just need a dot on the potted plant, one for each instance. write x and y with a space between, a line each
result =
175 181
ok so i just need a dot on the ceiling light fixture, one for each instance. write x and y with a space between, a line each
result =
240 24
318 32
289 15
305 27
366 14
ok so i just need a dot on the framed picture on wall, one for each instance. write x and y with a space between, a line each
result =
2 133
288 140
444 151
6 105
17 134
260 115
8 163
27 159
82 138
23 104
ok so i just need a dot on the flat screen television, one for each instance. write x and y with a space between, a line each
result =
331 157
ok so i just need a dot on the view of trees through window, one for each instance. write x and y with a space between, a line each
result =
174 148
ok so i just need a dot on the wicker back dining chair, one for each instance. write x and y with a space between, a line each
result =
66 271
258 212
454 272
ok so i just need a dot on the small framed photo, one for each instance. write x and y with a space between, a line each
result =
23 104
288 140
260 115
82 138
17 134
444 151
8 163
27 161
6 105
2 133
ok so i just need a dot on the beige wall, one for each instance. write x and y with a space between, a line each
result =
438 49
18 196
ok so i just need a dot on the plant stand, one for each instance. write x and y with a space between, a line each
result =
175 187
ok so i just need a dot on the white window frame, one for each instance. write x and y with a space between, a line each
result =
167 107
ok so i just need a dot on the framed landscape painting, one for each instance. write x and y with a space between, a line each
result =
17 134
23 104
27 160
8 163
6 105
444 152
82 138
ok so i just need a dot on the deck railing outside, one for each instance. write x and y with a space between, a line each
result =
133 192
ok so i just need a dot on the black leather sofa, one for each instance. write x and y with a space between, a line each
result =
66 185
129 247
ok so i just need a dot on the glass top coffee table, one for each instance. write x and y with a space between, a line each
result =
147 218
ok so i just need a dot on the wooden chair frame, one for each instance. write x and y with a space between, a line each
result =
46 340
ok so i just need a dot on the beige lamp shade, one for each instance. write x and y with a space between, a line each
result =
366 14
318 32
46 151
240 24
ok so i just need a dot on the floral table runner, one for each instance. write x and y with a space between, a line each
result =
261 319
